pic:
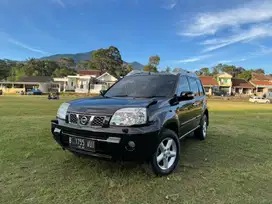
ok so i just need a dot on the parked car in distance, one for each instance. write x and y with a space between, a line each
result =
34 92
257 99
141 117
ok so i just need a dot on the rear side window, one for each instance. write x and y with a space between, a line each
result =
183 84
193 86
200 87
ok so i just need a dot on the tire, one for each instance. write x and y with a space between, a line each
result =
255 101
201 132
168 152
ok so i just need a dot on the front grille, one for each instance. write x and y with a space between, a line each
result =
98 121
73 118
88 119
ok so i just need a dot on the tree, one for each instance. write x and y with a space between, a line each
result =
150 68
109 60
230 69
126 68
63 72
259 71
168 69
204 71
4 71
217 69
245 75
66 62
238 71
33 67
154 60
49 67
17 72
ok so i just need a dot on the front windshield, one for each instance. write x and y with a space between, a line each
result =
143 86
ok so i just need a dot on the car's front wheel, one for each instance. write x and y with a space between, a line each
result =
166 158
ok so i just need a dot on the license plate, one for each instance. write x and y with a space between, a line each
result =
81 143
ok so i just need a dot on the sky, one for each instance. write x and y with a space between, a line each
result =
188 34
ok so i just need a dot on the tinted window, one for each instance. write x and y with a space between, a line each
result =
144 86
200 87
193 86
183 84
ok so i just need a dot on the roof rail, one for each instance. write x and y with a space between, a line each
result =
135 72
181 72
185 72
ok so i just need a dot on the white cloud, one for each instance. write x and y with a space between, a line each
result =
59 2
15 42
209 23
169 4
252 33
231 61
193 59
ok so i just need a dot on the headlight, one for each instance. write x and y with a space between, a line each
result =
63 110
129 117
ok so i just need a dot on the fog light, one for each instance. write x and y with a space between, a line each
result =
131 144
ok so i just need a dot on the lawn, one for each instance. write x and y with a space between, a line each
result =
234 164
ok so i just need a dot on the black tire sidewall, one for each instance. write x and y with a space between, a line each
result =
199 131
166 133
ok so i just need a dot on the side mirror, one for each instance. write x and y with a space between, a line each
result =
186 95
102 92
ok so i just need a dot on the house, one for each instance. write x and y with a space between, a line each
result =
241 87
86 81
224 82
44 83
262 84
209 84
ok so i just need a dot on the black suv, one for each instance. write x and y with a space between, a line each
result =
141 117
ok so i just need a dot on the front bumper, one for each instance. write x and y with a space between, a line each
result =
110 142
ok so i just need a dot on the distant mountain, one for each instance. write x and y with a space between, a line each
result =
78 57
137 66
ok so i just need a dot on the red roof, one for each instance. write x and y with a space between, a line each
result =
241 83
90 72
262 83
208 81
261 77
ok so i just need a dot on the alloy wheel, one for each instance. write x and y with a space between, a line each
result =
166 153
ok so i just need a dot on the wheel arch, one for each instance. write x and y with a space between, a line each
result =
173 125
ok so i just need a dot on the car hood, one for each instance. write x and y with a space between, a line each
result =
106 105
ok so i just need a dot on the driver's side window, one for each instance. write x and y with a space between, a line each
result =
183 85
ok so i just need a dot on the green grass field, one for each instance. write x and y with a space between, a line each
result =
234 164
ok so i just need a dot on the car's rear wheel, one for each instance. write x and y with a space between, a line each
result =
201 132
166 158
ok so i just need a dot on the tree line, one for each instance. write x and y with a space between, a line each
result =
106 60
238 72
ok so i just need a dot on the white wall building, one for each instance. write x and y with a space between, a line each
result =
87 81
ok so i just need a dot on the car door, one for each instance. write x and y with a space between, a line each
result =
197 101
184 108
201 101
